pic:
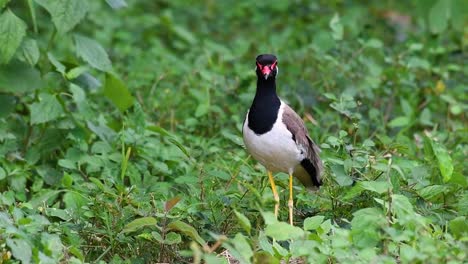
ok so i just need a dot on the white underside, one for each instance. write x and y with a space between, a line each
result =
276 150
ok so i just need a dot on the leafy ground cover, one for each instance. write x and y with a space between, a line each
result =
120 131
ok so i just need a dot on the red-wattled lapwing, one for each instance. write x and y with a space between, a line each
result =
277 137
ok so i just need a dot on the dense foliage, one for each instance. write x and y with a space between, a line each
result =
120 131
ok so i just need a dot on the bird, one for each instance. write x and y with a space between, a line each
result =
277 137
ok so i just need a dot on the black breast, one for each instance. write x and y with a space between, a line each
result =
263 113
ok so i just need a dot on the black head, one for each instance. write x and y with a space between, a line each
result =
267 66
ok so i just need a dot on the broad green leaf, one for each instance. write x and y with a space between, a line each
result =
459 14
303 247
7 104
139 223
283 231
402 207
184 34
74 200
375 186
66 14
444 160
462 205
44 198
439 16
243 247
117 92
365 227
325 227
9 82
2 173
264 243
12 31
29 51
312 223
116 4
57 64
432 192
400 121
172 238
243 221
60 213
93 53
3 3
336 27
408 254
47 109
52 244
186 229
20 249
458 226
374 43
353 192
417 62
341 177
213 259
76 72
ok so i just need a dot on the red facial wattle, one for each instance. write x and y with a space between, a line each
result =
266 69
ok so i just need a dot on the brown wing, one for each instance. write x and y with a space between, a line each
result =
311 165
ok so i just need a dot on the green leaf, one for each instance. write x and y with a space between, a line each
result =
2 173
375 186
186 229
29 51
3 3
462 205
74 200
458 226
172 238
117 92
336 27
139 223
66 14
12 31
76 72
365 227
408 254
400 121
312 223
444 160
432 192
402 207
341 177
20 249
47 109
458 15
9 82
116 4
243 221
93 53
243 247
283 231
7 104
52 244
439 16
57 64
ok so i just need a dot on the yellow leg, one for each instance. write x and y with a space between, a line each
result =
291 202
275 193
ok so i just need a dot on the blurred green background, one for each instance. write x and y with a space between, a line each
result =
120 131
